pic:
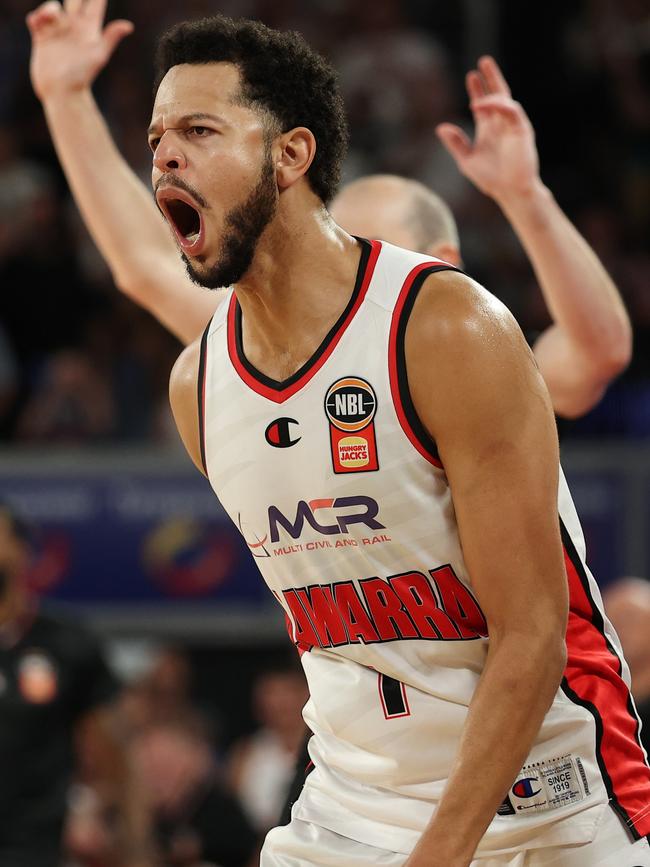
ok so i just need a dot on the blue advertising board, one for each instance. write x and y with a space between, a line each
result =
128 538
599 497
151 536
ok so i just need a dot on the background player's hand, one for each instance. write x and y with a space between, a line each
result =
502 160
70 46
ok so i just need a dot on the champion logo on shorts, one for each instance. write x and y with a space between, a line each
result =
350 406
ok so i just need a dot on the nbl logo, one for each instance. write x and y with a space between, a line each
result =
350 406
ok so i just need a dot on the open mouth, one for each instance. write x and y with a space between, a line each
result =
184 217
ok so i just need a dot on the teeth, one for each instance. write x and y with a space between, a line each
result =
192 237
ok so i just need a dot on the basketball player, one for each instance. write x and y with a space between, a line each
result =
374 423
589 341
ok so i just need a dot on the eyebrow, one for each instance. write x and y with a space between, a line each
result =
186 118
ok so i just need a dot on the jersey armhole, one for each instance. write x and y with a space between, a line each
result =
399 387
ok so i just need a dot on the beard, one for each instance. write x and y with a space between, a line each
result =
243 227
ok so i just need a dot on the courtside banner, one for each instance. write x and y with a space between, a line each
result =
115 538
601 503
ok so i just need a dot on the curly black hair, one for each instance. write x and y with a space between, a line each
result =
280 74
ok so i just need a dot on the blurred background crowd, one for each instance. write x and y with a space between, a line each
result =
212 732
96 366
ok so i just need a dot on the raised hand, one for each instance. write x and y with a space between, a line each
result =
502 160
70 45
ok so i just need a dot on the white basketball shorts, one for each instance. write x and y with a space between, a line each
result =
302 844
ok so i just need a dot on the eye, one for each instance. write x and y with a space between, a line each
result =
153 143
200 131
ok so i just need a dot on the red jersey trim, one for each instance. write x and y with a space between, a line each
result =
406 413
278 392
592 679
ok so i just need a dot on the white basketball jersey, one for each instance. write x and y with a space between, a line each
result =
338 490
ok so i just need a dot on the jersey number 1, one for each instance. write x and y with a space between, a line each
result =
392 693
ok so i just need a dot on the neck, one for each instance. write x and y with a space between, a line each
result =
298 285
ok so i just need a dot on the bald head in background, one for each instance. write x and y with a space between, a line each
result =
627 604
401 211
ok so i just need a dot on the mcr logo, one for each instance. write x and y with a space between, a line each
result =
365 511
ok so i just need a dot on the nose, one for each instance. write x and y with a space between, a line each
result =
169 155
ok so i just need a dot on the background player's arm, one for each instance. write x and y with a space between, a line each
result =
69 49
183 397
590 341
489 413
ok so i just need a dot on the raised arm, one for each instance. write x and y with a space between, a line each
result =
590 340
70 46
489 414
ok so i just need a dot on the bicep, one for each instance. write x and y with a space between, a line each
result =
488 410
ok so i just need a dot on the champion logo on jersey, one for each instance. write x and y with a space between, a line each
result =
279 434
350 406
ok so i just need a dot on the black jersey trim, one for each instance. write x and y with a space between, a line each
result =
420 432
366 249
203 354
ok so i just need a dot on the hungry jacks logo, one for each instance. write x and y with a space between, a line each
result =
350 406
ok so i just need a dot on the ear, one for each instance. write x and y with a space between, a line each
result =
447 252
297 149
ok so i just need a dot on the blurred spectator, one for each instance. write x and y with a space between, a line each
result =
23 186
8 374
71 403
54 688
399 65
163 696
196 819
261 766
397 88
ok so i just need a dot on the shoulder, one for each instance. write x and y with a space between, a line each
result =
464 333
184 376
470 371
453 309
184 399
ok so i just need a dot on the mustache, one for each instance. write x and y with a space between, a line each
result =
169 180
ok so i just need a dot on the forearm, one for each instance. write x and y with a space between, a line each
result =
114 203
514 693
581 297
